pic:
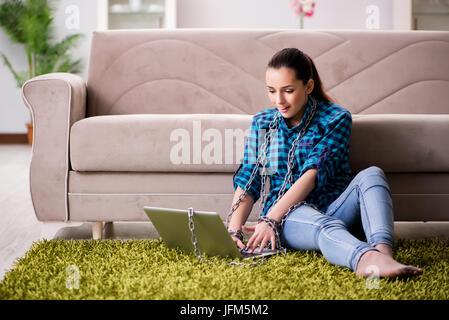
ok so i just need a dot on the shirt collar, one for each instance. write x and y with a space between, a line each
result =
303 120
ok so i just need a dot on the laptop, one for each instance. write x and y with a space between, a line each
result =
212 236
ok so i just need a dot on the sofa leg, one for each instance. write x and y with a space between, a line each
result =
97 230
108 224
108 230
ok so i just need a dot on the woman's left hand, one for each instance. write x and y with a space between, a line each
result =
262 234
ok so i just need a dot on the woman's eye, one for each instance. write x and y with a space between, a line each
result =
288 91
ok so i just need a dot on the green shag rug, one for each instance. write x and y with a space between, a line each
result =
147 269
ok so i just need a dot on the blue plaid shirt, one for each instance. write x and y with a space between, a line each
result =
325 145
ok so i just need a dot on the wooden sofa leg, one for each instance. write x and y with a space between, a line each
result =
97 230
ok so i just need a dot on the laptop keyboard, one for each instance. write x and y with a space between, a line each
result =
265 252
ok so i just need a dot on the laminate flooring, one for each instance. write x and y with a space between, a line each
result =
19 227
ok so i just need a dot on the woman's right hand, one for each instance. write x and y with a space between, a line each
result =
238 242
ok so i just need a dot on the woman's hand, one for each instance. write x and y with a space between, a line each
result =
238 242
262 234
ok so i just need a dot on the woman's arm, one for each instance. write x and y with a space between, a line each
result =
241 178
242 212
297 193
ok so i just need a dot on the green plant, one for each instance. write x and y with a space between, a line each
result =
29 22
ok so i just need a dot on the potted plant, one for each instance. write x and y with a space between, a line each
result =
29 22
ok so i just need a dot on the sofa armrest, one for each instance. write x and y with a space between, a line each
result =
56 101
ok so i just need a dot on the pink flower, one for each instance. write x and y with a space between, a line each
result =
302 6
295 7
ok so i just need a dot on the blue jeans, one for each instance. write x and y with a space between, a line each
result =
364 208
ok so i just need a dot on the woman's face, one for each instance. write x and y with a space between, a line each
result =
288 94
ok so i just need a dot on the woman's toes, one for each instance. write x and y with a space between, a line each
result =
408 271
416 271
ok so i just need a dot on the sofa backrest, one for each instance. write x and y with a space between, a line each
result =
156 71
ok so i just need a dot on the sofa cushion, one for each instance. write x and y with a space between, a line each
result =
197 142
159 142
400 142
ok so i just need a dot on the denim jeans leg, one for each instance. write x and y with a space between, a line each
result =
308 229
367 199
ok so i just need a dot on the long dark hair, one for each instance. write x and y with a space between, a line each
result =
304 68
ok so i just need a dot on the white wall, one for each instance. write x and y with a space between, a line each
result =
329 14
13 113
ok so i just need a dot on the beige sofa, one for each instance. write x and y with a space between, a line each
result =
106 148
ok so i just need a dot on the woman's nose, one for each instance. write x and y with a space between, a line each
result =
280 99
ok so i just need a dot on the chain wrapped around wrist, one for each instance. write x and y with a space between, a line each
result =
275 226
236 233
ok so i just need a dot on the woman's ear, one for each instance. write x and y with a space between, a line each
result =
310 85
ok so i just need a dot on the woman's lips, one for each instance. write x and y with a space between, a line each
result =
283 109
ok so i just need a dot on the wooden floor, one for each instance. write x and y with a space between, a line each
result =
19 227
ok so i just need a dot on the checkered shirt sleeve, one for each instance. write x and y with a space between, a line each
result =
244 171
328 153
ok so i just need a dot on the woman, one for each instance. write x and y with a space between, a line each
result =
320 207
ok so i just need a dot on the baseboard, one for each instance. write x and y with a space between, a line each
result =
13 138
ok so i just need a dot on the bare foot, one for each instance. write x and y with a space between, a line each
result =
385 249
374 263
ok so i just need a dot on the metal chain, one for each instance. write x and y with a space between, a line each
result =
242 196
287 178
262 159
199 255
275 227
291 155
